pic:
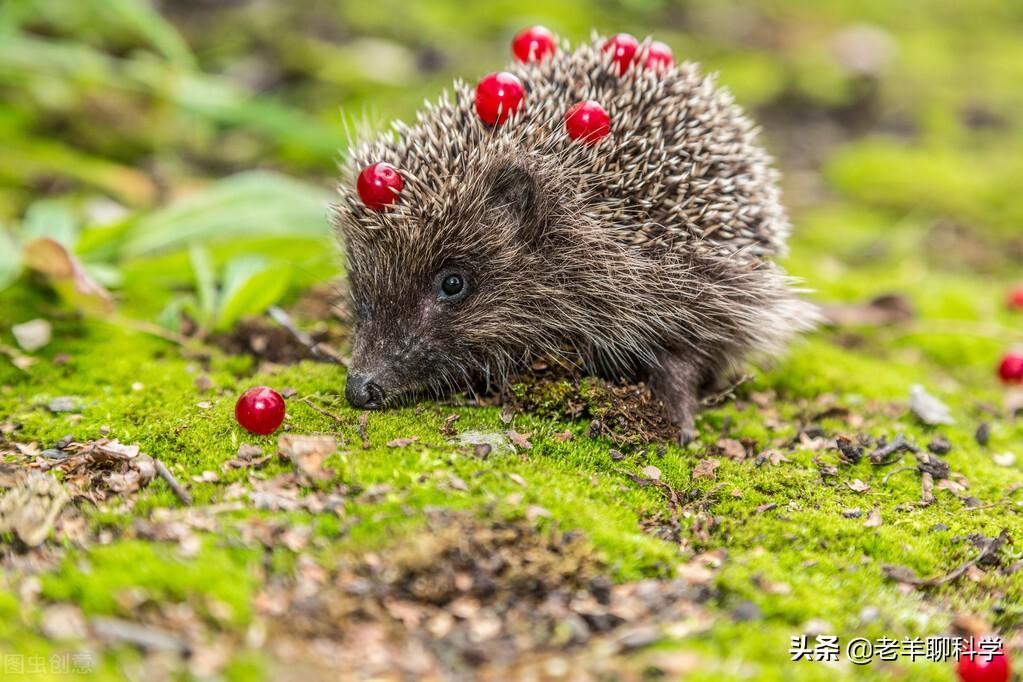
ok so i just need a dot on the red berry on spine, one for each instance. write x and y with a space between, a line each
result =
498 96
1010 369
533 44
1016 298
587 122
260 410
659 56
623 50
379 185
982 669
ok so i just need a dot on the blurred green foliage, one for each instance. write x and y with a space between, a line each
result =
118 108
182 152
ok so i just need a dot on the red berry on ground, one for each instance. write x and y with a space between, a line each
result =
1010 369
1016 298
260 410
981 669
623 50
533 44
498 96
379 185
587 122
659 56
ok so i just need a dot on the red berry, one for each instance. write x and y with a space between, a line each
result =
623 50
981 669
1010 369
533 44
498 96
379 185
587 121
260 410
659 56
1016 298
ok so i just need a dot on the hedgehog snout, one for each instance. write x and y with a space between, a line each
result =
362 392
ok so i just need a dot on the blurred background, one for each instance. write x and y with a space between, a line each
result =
179 154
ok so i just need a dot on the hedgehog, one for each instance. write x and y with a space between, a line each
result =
601 207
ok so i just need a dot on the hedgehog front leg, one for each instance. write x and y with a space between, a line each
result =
676 381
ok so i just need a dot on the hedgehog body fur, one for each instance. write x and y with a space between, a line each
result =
645 255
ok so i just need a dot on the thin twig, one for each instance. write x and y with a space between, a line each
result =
325 413
884 481
329 415
363 420
319 351
151 329
167 476
904 575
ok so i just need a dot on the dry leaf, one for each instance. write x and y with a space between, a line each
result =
652 472
857 486
50 258
520 440
732 449
873 519
32 335
927 408
706 468
307 452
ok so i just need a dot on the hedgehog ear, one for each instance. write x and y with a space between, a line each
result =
514 190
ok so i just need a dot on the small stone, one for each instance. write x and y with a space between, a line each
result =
927 408
869 614
32 335
1005 459
535 511
63 621
983 433
746 612
940 446
64 403
853 513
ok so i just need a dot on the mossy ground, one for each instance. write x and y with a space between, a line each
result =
918 198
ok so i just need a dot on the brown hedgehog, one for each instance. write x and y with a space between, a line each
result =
629 237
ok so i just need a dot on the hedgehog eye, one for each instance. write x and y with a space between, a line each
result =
452 285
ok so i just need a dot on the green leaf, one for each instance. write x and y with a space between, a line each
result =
205 284
252 204
53 219
140 16
10 259
251 285
170 316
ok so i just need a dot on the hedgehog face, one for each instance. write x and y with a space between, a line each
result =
436 298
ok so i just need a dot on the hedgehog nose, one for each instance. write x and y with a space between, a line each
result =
363 392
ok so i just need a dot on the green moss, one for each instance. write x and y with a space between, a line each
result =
927 207
106 580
